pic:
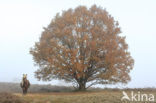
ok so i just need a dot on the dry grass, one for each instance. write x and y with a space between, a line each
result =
10 98
61 94
105 96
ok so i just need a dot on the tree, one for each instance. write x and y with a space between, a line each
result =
83 46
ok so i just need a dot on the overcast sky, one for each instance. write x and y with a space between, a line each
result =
22 21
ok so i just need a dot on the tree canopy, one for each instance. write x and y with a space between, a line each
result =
83 46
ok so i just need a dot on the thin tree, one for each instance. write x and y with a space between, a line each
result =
83 46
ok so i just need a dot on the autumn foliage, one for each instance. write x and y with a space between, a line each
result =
83 46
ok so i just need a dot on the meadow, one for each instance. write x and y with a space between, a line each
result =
69 96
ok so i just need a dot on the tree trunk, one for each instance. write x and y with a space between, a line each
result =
82 86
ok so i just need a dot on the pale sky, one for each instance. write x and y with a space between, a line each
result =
22 21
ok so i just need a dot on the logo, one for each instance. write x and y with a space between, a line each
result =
133 96
125 96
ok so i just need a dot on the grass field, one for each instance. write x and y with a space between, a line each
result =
61 94
75 97
105 96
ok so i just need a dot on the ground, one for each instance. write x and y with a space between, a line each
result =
104 96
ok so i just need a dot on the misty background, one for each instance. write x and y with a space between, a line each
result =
22 21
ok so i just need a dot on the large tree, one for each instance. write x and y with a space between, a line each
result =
83 46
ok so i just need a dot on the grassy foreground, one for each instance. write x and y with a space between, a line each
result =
105 96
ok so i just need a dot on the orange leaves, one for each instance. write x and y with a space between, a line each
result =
93 45
50 60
